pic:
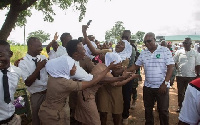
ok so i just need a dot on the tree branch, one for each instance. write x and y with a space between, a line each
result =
27 4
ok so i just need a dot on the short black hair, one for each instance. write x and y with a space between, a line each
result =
4 43
31 40
125 37
72 47
80 39
62 37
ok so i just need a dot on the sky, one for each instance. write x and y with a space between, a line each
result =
163 17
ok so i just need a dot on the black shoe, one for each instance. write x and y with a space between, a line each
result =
178 110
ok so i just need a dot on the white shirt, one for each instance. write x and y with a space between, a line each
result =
7 110
61 51
155 65
52 54
186 62
81 74
190 111
88 52
27 65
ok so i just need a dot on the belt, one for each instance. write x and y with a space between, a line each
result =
42 92
7 120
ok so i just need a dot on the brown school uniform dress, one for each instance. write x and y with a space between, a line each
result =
110 98
52 111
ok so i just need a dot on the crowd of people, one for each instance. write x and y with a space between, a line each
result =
81 82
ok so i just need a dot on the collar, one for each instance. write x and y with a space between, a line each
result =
30 57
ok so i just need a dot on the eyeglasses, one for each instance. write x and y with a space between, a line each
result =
147 41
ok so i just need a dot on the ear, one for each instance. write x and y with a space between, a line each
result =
10 54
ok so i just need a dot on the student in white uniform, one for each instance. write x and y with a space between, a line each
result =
9 76
35 76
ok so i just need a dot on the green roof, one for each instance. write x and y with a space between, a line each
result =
182 37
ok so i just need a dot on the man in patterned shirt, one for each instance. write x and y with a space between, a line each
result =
158 66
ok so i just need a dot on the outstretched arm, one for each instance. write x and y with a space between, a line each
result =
89 44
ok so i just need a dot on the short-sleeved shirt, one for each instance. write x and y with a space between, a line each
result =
186 62
190 111
155 65
52 54
81 74
88 52
61 51
27 65
7 110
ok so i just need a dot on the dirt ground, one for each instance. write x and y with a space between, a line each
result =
137 116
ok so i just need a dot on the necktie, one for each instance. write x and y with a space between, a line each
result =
35 60
6 86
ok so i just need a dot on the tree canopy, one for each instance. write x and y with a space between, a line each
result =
116 31
41 35
18 10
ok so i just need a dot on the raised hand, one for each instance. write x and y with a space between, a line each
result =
56 36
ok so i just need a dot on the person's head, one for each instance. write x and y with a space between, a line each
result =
91 37
150 41
80 39
120 46
163 43
65 38
65 69
5 54
34 46
126 35
187 44
75 50
55 46
169 45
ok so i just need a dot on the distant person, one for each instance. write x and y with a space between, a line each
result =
163 43
190 111
35 76
65 38
9 76
186 60
127 88
52 53
157 76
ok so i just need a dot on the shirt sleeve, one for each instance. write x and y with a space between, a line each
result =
25 74
73 85
197 59
189 112
139 61
176 56
168 57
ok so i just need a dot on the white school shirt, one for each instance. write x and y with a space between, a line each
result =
155 65
27 65
88 52
52 54
61 51
190 111
81 74
186 61
14 74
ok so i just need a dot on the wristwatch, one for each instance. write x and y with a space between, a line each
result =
166 83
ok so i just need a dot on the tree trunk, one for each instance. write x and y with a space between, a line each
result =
8 24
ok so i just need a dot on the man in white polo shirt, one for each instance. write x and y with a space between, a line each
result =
158 65
186 60
34 76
